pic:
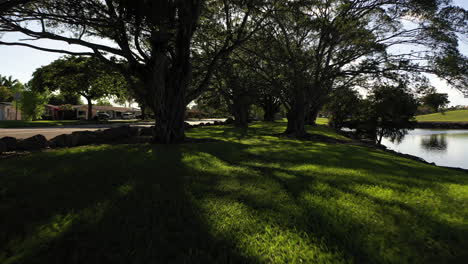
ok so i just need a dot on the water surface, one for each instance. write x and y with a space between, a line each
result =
444 147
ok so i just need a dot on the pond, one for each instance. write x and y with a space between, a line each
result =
443 147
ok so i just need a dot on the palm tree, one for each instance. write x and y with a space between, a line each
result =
8 81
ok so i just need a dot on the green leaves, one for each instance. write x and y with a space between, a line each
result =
85 76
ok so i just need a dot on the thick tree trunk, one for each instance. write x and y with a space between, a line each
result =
240 111
169 111
170 122
169 83
90 109
296 118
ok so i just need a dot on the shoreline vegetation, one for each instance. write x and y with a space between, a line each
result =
442 125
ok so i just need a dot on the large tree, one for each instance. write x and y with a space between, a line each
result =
153 38
84 76
321 45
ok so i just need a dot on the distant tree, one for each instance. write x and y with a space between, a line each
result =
65 99
9 87
6 94
32 103
342 105
387 112
84 76
103 102
8 81
436 101
212 104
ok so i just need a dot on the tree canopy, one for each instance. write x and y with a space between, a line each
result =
293 53
85 76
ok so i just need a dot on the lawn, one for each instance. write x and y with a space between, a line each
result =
249 197
450 116
322 121
48 123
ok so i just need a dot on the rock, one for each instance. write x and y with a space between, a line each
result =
3 147
114 134
61 141
11 143
36 142
82 138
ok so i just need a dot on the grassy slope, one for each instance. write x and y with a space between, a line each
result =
248 198
450 116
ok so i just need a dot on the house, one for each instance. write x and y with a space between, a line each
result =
81 111
51 112
8 111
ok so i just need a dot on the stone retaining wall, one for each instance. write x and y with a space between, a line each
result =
82 138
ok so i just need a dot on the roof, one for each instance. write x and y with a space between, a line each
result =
107 108
52 106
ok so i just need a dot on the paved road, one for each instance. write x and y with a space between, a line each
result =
51 132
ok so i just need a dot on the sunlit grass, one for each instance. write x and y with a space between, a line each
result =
449 116
322 121
250 197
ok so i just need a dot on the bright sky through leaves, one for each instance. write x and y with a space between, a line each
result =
20 62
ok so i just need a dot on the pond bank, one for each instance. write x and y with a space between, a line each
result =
409 152
443 125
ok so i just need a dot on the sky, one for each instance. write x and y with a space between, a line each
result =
21 62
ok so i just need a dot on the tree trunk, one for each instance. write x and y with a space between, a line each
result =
170 121
90 109
311 117
380 133
240 110
169 111
270 108
170 85
296 118
143 112
268 116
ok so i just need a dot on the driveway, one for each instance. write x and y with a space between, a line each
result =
51 132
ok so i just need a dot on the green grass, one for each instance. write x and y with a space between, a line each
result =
49 123
322 121
450 116
249 198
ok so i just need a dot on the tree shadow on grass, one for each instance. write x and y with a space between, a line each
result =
365 227
221 202
133 209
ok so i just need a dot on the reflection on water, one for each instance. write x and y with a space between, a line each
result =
444 147
434 142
